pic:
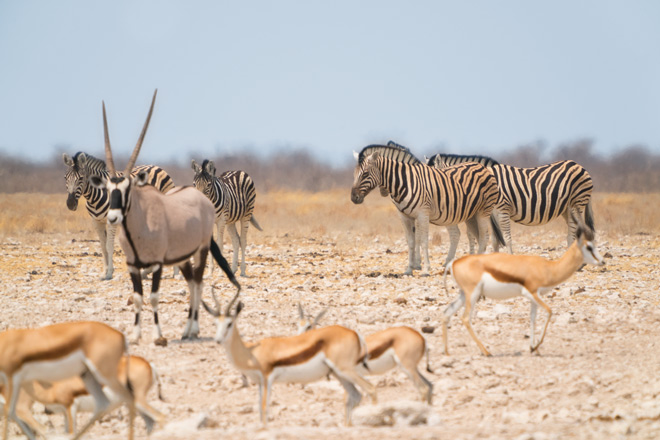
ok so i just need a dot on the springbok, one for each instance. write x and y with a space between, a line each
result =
89 350
69 396
158 230
399 346
302 358
503 276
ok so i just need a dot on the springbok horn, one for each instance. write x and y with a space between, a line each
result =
136 150
319 316
231 303
300 312
109 163
215 312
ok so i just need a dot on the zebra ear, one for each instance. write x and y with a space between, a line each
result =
142 178
356 155
210 168
67 160
82 159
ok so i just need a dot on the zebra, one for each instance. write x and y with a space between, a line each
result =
535 196
233 195
81 167
426 195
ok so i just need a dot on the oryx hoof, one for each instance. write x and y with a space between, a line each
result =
161 342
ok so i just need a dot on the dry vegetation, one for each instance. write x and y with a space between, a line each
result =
596 376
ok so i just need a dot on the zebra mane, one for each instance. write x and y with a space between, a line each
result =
452 159
92 162
392 151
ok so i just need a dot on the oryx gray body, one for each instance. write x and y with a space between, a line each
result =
81 167
159 230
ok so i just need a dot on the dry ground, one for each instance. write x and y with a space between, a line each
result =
596 376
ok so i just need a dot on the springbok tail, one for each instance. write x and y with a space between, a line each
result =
428 360
495 224
447 270
255 224
222 262
589 217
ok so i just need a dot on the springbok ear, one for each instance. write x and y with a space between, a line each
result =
97 182
239 307
67 160
142 178
356 155
195 166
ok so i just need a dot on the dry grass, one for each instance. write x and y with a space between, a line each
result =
329 213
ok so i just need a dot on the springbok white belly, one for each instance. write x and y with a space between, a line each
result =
54 369
494 289
314 369
382 364
85 403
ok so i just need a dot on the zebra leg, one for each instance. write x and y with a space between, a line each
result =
409 229
422 238
454 236
243 237
235 244
572 226
472 233
504 219
483 223
136 278
153 299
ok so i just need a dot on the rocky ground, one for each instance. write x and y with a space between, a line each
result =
596 375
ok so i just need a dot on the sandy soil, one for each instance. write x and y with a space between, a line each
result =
596 375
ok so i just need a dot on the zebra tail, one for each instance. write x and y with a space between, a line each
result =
497 230
255 224
222 262
589 217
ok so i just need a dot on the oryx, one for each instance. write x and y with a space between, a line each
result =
160 229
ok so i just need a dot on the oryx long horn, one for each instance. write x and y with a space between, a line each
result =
136 150
109 163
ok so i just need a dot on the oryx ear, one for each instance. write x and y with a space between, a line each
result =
210 167
239 307
67 160
195 166
97 182
356 155
142 178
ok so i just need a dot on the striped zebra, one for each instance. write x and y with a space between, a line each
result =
233 195
81 167
424 195
535 196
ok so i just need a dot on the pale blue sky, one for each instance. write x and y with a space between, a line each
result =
474 76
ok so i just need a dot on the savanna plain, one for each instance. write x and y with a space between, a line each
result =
596 375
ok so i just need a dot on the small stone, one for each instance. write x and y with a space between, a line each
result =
428 329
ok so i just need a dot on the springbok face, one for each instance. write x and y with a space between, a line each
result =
365 178
226 321
204 177
589 252
75 178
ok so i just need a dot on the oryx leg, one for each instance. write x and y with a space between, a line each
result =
448 313
422 238
138 299
195 277
106 234
153 299
536 300
243 237
235 244
454 236
409 229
